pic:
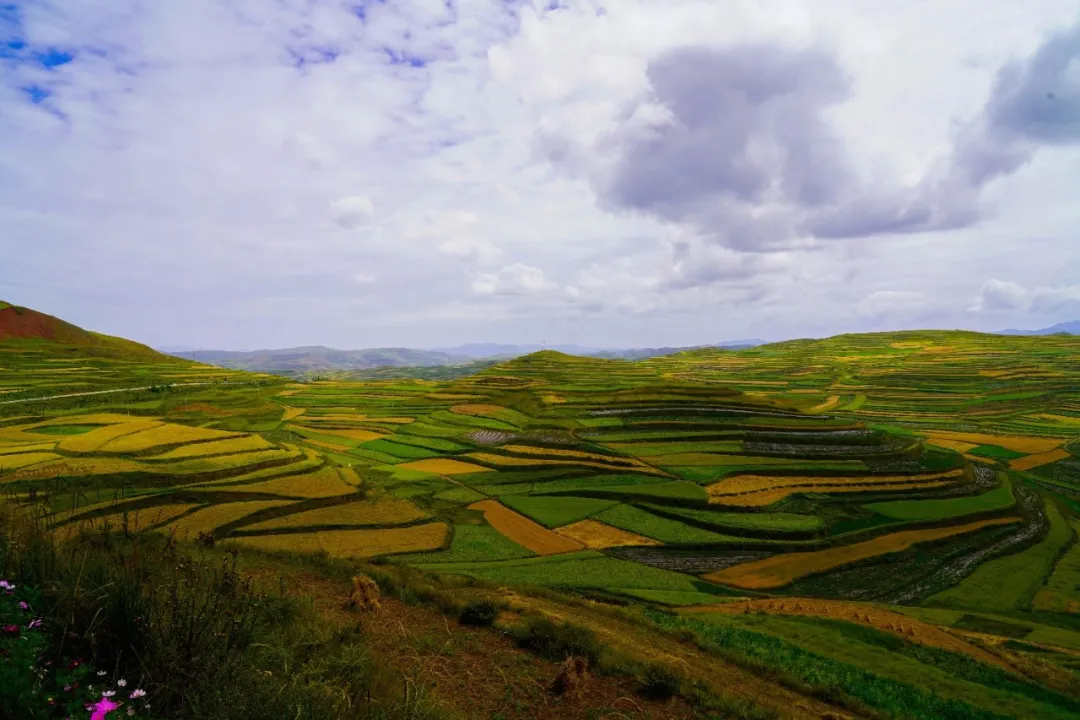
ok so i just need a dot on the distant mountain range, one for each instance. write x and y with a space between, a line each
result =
304 360
1071 327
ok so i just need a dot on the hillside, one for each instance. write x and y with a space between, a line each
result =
20 326
870 526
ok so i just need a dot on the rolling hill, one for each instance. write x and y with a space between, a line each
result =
24 326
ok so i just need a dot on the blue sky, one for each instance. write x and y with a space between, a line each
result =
620 173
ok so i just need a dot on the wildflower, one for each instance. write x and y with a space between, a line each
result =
35 623
23 605
9 630
102 708
108 693
5 585
67 688
138 693
101 673
121 682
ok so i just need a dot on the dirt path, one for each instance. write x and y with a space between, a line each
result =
865 614
102 392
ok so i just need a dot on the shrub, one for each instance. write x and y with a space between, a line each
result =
557 641
659 681
481 613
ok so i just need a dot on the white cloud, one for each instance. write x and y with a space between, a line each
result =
892 303
364 278
1004 295
352 212
516 279
211 152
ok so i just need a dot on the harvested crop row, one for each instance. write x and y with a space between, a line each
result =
509 461
781 570
94 439
386 511
351 543
524 531
740 484
769 496
247 443
598 536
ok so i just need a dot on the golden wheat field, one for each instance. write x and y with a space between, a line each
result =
509 461
524 531
762 498
382 511
212 517
443 466
780 570
133 520
739 484
320 484
351 543
91 441
246 443
598 536
1018 443
1038 459
161 435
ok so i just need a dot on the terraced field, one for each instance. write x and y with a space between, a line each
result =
894 472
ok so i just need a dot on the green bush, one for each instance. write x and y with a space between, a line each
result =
480 613
659 682
557 641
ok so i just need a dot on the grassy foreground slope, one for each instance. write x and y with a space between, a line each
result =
761 541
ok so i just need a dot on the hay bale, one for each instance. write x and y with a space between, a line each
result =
364 596
571 677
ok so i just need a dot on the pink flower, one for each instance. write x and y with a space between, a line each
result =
103 707
10 630
138 693
35 623
23 605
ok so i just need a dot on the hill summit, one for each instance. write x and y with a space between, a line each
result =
22 324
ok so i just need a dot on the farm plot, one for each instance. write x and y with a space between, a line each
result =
475 543
757 490
350 544
641 522
443 466
555 511
736 522
1061 593
781 570
132 520
323 483
524 531
598 536
91 441
211 517
383 511
161 435
242 444
916 510
1010 582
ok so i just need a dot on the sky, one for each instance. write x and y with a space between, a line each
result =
241 174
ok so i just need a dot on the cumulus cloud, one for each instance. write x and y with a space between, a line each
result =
516 279
352 212
1004 295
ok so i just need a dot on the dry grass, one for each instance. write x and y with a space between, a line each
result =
780 570
210 518
596 535
382 511
524 531
162 434
1018 443
91 441
249 443
351 543
1034 461
443 466
324 483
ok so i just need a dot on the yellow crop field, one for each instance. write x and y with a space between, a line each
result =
957 445
476 409
780 570
454 396
247 443
222 462
350 476
37 447
1038 459
324 483
829 403
384 511
91 441
291 413
1018 443
443 466
1063 419
761 498
9 463
524 531
739 484
212 517
137 520
510 461
533 450
351 543
328 446
163 434
597 535
707 459
353 433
